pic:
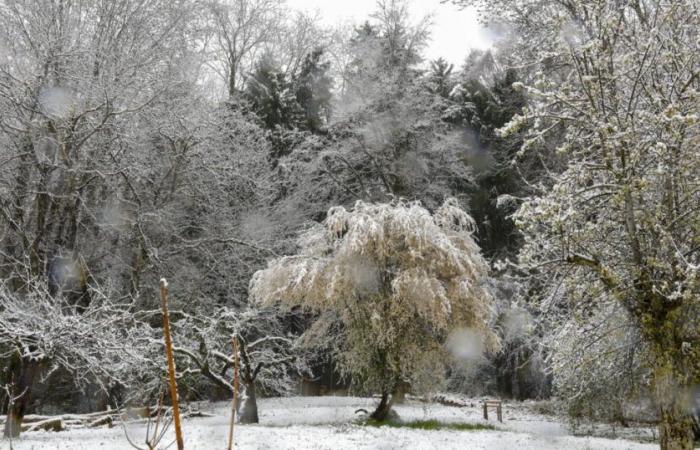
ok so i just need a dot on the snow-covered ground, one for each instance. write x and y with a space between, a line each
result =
327 423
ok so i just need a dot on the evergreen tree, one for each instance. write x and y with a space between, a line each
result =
483 108
313 91
440 77
272 95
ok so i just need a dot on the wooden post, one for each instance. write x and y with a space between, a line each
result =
499 411
234 341
171 363
486 411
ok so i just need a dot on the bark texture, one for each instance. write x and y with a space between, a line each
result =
249 410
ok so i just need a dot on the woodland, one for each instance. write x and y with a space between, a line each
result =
331 208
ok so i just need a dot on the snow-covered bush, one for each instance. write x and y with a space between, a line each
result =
597 365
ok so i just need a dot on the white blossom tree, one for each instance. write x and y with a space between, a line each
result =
393 281
617 91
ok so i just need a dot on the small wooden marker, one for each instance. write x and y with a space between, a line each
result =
499 409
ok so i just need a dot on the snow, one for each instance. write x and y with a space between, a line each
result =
327 423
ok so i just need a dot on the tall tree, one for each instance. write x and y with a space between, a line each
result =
104 137
272 95
241 27
617 90
313 90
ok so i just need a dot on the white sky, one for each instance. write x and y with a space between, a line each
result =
454 31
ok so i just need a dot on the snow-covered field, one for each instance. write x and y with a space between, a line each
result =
327 423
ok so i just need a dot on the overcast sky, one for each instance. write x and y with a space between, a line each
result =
454 31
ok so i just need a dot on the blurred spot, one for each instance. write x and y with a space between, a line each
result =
465 344
113 216
475 154
47 148
64 273
411 167
516 324
573 34
257 227
56 102
495 31
364 275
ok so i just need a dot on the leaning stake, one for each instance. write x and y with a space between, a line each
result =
171 362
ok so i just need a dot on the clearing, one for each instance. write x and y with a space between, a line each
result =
328 423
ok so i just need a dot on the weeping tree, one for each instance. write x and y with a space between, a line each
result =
390 283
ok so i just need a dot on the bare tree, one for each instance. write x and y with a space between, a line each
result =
269 358
40 334
241 28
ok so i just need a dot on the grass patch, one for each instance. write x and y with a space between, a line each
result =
430 425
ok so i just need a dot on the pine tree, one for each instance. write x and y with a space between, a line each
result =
313 91
272 95
440 77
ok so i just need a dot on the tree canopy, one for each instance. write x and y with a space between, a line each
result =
395 281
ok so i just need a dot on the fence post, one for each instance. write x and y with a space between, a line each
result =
171 362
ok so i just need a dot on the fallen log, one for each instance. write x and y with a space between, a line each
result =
53 424
35 422
29 418
101 421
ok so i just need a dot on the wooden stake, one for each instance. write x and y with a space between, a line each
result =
234 341
171 362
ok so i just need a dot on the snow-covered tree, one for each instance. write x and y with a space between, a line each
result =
240 28
617 91
270 361
100 344
272 95
383 55
392 282
313 90
117 169
597 363
440 78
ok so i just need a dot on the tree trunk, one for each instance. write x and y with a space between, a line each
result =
249 410
672 392
21 391
13 424
399 395
383 409
675 430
